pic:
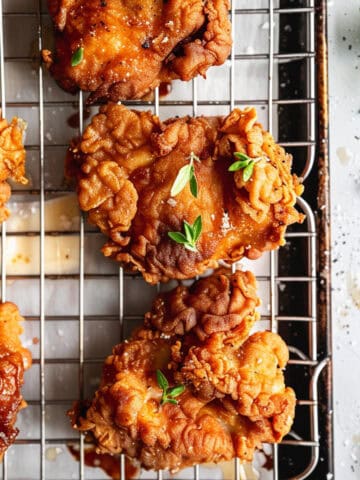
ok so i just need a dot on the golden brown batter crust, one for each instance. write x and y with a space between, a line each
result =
12 159
127 163
133 45
14 360
235 398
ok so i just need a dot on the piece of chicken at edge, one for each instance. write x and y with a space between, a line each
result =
163 194
220 393
121 50
14 360
12 159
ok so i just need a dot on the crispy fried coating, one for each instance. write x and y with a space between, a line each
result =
128 161
133 45
235 397
14 360
12 159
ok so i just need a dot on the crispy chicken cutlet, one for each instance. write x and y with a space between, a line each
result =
191 386
163 193
124 49
14 360
12 159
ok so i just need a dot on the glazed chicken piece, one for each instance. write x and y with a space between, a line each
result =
14 360
126 166
123 50
230 394
12 159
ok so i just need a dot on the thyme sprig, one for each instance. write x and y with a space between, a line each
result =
190 236
245 163
168 392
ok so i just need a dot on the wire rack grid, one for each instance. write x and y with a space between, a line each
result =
273 279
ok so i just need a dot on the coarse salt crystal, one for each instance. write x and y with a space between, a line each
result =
225 224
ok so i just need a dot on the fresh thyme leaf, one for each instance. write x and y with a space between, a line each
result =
245 163
176 391
178 237
193 183
242 156
168 392
181 180
248 171
162 380
234 167
197 227
77 57
188 232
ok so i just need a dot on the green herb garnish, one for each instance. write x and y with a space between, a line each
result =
244 163
186 175
168 392
77 57
190 236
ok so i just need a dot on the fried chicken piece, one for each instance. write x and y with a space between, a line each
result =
12 159
129 47
234 398
14 360
128 162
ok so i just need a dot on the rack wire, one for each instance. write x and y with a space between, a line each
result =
305 360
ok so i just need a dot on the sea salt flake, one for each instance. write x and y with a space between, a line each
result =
225 223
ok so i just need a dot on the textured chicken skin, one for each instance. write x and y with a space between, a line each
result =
127 162
130 46
14 360
12 159
234 397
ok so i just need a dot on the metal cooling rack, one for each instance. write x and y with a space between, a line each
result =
299 454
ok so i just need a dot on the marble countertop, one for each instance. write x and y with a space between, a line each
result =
344 78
